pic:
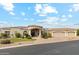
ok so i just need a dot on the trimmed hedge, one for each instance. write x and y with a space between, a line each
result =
5 42
4 35
46 35
18 35
49 35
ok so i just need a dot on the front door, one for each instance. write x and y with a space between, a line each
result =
35 32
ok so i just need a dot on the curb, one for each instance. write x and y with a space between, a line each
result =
16 46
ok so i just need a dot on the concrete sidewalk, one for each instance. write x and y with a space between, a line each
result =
38 41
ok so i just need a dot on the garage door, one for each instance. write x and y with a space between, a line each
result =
58 34
71 34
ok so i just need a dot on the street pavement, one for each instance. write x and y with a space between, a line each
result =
62 48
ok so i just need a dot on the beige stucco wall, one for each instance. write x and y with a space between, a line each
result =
12 31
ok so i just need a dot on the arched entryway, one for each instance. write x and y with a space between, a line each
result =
34 32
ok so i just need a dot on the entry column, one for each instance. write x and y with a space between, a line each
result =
66 34
29 32
40 33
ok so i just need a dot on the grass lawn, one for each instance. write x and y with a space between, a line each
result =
18 39
15 40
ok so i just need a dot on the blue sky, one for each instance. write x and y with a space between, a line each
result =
43 14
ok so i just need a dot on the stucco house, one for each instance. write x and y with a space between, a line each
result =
35 31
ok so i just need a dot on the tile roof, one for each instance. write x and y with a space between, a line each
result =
61 29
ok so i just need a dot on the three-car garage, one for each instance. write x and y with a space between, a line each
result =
64 32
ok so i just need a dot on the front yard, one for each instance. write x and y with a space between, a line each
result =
20 39
15 40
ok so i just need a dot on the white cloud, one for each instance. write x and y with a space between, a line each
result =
7 5
64 19
69 15
74 8
11 13
38 8
70 10
44 9
76 26
6 24
42 14
23 13
53 21
48 20
49 9
63 16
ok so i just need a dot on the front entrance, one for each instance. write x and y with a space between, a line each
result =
35 32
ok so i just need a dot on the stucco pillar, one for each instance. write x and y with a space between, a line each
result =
52 34
29 32
66 34
39 33
12 34
75 33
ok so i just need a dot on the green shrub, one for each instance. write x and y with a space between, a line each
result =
46 35
25 35
49 35
0 35
29 37
18 35
4 35
5 42
77 32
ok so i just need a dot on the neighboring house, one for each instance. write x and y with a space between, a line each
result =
35 31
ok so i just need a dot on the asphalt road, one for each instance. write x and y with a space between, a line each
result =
63 48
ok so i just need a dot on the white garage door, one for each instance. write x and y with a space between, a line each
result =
71 34
58 34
